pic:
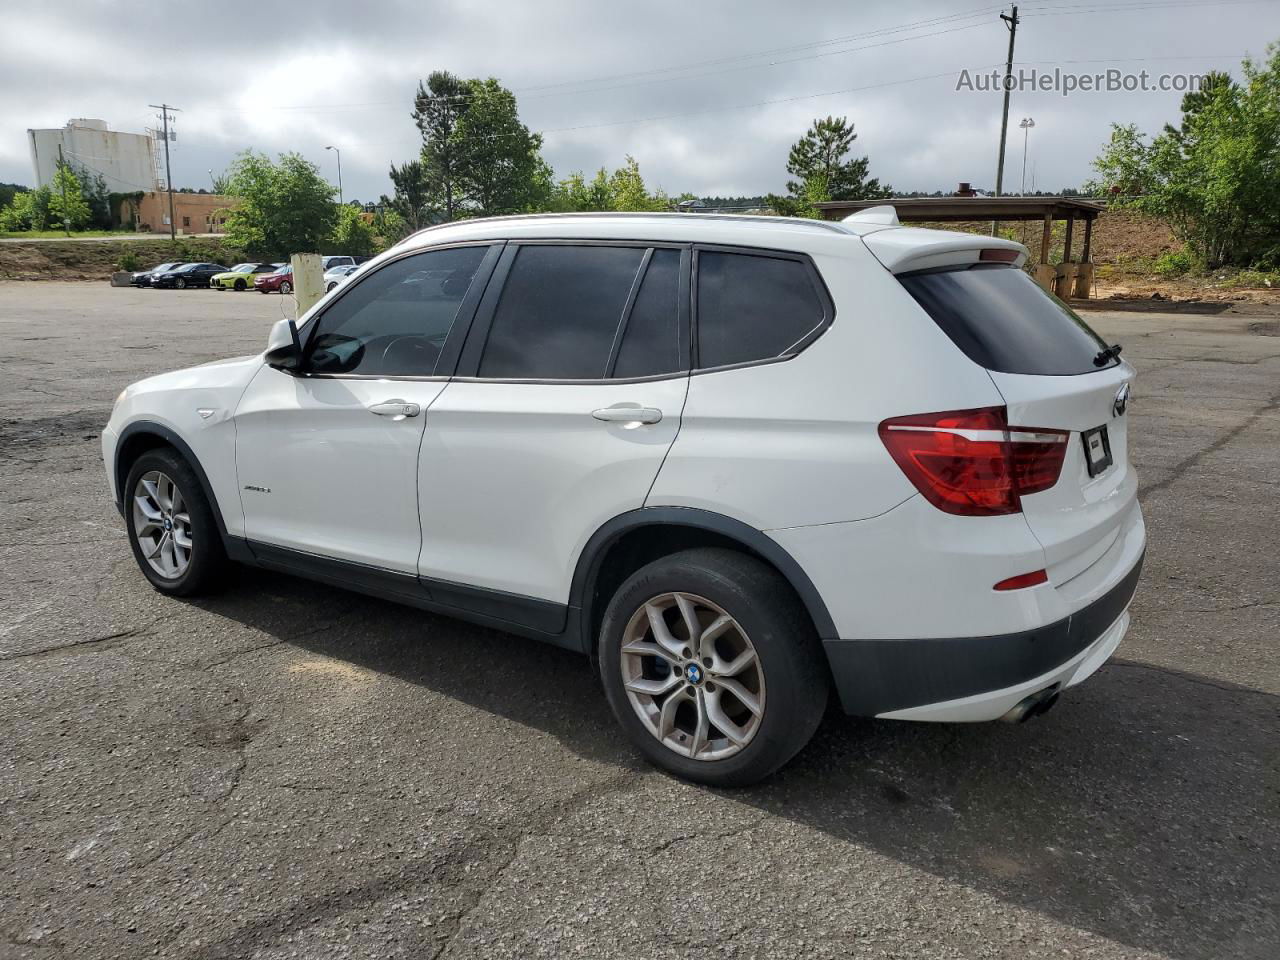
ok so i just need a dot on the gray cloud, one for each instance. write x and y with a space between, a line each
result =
302 77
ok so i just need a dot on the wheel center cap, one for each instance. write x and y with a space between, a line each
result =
693 673
168 524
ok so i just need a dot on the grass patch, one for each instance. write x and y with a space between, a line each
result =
61 235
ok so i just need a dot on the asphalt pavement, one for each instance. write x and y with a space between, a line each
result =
289 770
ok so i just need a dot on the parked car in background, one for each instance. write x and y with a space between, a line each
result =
188 275
240 277
738 461
335 276
143 278
281 281
328 263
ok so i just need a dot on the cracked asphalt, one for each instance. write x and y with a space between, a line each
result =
287 770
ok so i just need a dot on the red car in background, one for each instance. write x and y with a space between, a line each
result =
279 282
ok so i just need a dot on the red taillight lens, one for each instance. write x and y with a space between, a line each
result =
1032 579
999 255
971 462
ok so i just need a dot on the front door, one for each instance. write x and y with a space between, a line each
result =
327 458
569 395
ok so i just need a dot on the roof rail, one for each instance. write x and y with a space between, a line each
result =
635 215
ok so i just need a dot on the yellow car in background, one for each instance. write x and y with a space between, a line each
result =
240 277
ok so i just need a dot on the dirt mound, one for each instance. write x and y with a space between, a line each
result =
97 259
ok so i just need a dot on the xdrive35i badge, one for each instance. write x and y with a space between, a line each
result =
1122 400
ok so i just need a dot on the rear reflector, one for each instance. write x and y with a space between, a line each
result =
971 462
1032 579
999 255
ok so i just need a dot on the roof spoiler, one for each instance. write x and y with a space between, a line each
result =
885 214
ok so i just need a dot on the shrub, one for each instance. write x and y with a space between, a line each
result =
1174 263
128 261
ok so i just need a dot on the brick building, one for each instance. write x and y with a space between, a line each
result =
192 212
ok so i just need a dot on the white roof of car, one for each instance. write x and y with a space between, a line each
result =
784 233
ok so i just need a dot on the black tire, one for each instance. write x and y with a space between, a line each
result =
240 284
786 644
208 566
330 287
286 288
180 283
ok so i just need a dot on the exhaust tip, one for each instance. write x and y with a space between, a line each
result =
1041 701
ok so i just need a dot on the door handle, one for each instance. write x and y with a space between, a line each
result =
395 409
628 413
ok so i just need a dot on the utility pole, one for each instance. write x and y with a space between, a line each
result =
66 220
1026 125
341 196
1010 21
164 109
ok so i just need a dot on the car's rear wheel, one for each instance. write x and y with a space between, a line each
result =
240 284
712 666
172 530
331 285
286 288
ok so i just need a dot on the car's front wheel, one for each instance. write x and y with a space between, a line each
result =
180 283
712 666
171 526
240 285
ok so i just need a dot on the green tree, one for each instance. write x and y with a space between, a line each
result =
284 208
413 196
28 210
1214 177
389 227
93 186
499 160
438 108
352 235
10 190
821 152
624 189
67 204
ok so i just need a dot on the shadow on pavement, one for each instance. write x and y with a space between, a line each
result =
1143 808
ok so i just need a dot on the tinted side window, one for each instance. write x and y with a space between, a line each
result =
559 312
752 307
650 341
394 322
1005 322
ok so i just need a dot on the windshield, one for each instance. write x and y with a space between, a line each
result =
1003 320
285 269
242 268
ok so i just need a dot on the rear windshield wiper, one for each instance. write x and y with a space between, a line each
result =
1107 354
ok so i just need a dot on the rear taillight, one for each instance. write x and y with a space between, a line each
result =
971 462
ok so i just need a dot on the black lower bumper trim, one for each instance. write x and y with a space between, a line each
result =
879 676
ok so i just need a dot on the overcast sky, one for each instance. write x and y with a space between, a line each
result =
706 95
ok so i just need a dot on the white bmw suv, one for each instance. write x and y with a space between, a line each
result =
739 462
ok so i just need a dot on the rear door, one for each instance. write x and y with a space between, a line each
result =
567 398
1053 373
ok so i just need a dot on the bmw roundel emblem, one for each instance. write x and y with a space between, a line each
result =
1122 400
693 673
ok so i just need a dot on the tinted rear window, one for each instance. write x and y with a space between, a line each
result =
753 307
1004 321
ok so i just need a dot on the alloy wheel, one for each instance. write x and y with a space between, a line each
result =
162 524
692 676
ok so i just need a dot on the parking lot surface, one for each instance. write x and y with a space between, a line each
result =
288 770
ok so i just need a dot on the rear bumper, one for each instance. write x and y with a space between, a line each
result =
978 678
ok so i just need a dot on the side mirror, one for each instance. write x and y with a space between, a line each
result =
283 350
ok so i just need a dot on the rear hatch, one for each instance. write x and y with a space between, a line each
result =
1055 374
